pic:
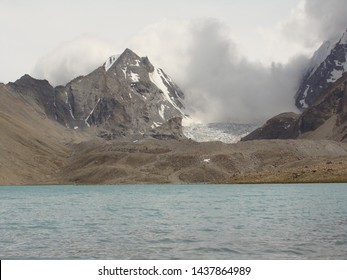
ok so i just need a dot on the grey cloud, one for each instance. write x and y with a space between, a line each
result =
329 16
315 21
74 58
220 85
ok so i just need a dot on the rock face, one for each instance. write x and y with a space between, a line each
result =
281 126
126 97
327 65
325 119
39 91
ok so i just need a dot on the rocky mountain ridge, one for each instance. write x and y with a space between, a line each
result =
326 66
126 97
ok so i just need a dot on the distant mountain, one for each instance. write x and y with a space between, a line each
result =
61 135
126 97
326 118
327 65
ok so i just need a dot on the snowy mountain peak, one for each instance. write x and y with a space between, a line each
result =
127 96
129 58
147 82
327 65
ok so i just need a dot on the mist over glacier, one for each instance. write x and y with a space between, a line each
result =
221 83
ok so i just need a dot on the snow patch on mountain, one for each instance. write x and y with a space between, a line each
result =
135 78
124 70
320 55
135 63
302 101
324 51
156 124
162 111
158 78
335 75
92 111
110 61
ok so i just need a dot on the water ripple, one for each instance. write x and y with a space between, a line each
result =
174 222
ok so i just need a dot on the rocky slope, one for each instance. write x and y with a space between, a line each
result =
282 126
32 147
327 65
186 161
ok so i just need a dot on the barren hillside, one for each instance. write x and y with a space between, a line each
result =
35 149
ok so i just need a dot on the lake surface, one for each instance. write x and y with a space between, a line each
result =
174 222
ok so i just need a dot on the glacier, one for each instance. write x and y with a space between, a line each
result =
224 132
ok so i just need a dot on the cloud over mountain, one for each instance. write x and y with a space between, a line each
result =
71 59
220 84
314 21
203 58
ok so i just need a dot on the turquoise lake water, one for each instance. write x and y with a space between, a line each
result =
174 222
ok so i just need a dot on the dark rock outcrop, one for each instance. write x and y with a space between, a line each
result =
281 126
172 129
40 91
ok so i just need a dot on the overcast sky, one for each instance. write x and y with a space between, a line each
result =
223 53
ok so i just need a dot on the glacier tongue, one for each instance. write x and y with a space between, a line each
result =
224 132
